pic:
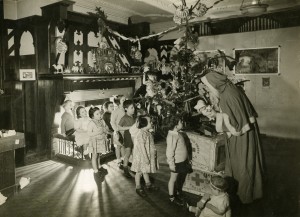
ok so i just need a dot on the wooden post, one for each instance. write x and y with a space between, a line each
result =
2 56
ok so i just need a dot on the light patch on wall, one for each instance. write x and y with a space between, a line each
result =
78 38
27 47
11 42
93 40
78 57
266 82
58 33
90 59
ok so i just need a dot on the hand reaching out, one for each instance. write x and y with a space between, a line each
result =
206 197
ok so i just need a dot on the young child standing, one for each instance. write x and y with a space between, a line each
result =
108 108
116 116
144 160
218 204
97 131
177 158
80 125
125 124
67 119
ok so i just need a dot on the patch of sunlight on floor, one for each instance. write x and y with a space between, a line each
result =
86 182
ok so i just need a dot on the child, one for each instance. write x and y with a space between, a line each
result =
97 131
125 124
80 125
177 158
144 159
108 108
116 116
218 203
67 119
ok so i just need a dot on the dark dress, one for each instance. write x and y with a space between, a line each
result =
106 118
244 160
127 121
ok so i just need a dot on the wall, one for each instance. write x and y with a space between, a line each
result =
87 95
278 107
19 9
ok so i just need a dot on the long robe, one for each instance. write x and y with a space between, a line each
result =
244 160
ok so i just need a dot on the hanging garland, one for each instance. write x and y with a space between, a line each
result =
142 38
181 14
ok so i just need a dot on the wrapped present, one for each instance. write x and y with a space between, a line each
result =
208 153
198 181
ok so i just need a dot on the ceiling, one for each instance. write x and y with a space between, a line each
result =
154 11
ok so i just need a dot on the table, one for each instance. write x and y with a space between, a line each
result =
8 145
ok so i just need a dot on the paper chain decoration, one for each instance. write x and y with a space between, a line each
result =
182 12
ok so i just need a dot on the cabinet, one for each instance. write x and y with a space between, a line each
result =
8 146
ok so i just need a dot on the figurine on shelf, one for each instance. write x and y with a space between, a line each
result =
57 69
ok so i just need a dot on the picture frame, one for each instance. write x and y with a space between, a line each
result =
257 61
27 75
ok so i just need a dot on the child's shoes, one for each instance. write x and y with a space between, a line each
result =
126 172
151 188
103 170
99 176
176 201
120 165
140 192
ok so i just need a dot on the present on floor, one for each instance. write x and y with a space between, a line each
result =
198 181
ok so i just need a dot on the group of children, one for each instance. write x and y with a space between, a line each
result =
133 136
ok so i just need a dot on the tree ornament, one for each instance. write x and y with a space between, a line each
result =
182 13
177 20
200 10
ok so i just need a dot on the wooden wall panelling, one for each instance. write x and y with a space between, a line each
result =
70 41
42 47
85 47
7 169
31 111
5 112
51 41
2 52
17 106
49 98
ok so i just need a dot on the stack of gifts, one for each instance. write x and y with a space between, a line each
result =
208 158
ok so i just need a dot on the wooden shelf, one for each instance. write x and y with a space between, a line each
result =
91 77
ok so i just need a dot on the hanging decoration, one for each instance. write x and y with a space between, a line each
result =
182 13
135 52
101 20
200 10
179 86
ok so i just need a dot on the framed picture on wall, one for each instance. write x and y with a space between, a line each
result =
214 59
27 74
256 61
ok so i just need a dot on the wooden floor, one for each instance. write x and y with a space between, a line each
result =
58 189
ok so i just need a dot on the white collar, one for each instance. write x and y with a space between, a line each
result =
173 132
